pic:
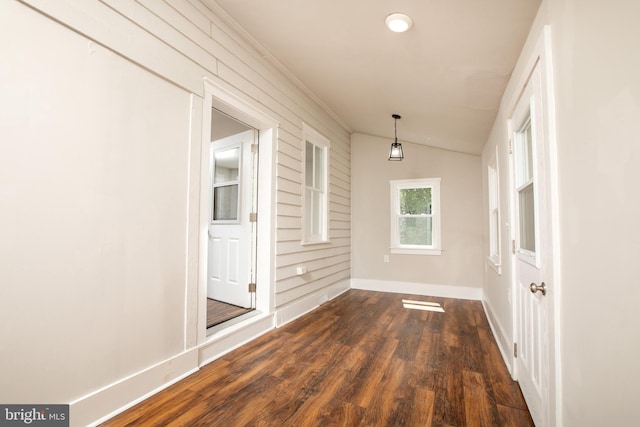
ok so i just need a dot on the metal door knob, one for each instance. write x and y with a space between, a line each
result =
535 288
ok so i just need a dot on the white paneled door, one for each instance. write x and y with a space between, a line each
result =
231 249
532 257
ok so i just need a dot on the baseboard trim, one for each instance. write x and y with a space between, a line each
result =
504 344
228 339
446 291
122 395
309 303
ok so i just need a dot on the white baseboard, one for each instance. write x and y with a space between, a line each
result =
124 394
309 303
446 291
504 345
228 339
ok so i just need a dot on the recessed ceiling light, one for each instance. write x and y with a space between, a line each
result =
398 22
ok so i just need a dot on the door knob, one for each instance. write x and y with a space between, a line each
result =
535 288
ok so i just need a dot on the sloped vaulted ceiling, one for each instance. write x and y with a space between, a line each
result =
445 76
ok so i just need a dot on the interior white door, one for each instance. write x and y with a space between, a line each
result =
231 232
533 248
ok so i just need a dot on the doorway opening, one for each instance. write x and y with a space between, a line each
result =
231 247
236 241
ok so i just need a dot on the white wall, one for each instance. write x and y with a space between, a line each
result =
597 94
94 166
597 77
100 139
460 265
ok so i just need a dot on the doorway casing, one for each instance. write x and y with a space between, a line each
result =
218 96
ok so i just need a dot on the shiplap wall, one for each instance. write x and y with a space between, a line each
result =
182 42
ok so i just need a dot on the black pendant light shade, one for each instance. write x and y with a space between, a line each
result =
396 153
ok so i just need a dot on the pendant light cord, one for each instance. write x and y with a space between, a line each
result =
395 129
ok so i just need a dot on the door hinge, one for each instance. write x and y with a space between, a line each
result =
253 217
252 287
510 145
254 148
513 247
515 349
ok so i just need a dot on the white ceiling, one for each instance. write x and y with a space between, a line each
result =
445 76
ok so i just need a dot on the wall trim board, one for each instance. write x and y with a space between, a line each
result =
117 397
229 339
504 345
446 291
309 303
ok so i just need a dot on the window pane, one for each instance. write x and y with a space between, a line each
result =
314 213
415 201
225 202
495 224
416 231
308 211
316 229
226 165
308 165
527 219
320 162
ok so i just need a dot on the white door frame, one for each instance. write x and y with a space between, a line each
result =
216 94
540 55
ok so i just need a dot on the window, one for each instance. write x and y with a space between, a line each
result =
525 188
415 216
493 183
316 166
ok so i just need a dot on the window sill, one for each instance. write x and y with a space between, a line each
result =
407 251
320 242
495 264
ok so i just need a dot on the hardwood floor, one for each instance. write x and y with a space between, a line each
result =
358 360
219 312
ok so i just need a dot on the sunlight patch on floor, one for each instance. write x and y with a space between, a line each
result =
422 305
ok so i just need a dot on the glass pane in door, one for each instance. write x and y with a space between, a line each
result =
527 218
226 165
225 203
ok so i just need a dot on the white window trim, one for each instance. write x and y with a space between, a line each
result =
317 139
396 247
493 188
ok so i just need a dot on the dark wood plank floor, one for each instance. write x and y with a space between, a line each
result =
358 360
219 312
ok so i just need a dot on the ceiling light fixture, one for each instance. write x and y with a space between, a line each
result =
396 148
398 22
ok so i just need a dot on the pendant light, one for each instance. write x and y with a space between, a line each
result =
396 148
